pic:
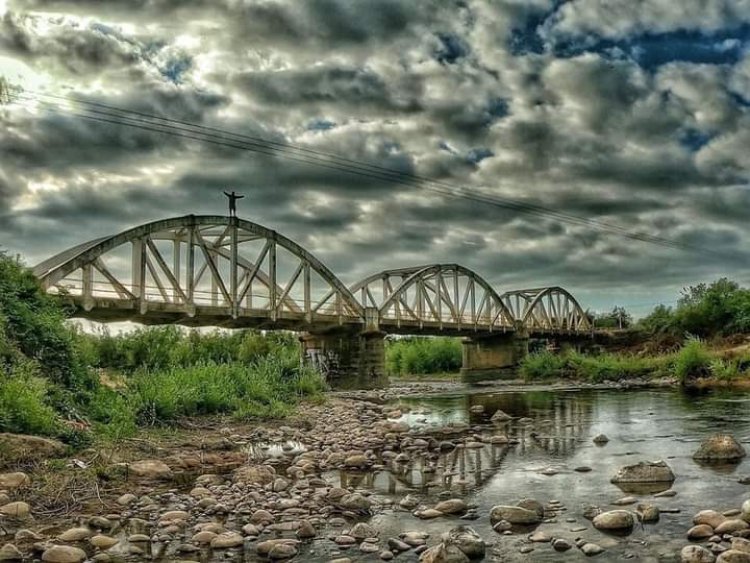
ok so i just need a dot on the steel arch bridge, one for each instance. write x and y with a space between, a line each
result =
206 270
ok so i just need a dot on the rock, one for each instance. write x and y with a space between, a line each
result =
500 416
344 540
280 484
150 470
127 499
428 514
397 546
700 532
204 537
745 510
582 469
103 542
710 517
20 448
305 531
75 534
648 513
645 472
265 547
625 501
733 556
731 526
720 448
14 480
514 515
477 409
282 551
252 529
741 544
540 537
254 475
358 461
355 501
696 554
409 502
614 520
385 555
63 554
600 440
451 506
561 544
362 530
591 549
10 552
261 517
467 540
442 553
226 540
18 510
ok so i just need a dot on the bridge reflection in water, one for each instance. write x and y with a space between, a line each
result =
546 429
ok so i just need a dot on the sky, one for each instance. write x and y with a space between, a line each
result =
626 112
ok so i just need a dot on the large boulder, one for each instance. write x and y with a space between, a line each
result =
18 510
515 515
451 506
720 448
614 520
644 472
63 554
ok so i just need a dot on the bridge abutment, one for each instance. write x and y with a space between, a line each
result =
494 356
347 359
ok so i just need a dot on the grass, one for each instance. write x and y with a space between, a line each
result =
423 356
693 360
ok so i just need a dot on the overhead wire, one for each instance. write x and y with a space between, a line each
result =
105 113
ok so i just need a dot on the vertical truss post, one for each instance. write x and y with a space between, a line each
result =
138 274
88 285
272 280
190 269
306 285
233 270
176 249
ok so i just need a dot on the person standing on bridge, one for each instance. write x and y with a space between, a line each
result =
233 197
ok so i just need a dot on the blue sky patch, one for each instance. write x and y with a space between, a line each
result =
176 68
452 47
694 140
320 124
477 155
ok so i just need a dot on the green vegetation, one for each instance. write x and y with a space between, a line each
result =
721 308
693 361
51 374
422 356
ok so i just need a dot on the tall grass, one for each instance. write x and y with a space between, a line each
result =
693 360
593 368
421 356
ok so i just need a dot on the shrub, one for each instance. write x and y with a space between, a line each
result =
420 356
692 361
543 365
24 406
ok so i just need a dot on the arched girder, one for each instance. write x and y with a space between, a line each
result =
548 309
233 256
447 296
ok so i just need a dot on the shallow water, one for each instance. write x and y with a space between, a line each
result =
641 425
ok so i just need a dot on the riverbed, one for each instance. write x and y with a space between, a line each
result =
427 444
555 431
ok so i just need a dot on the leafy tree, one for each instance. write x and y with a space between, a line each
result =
616 318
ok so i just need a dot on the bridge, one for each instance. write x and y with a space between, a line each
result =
205 270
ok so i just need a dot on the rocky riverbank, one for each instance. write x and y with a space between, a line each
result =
303 489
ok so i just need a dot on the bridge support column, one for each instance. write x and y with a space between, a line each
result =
348 360
493 357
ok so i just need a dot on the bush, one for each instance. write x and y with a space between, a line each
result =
421 356
692 361
543 365
24 402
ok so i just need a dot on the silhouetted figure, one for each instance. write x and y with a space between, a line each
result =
233 197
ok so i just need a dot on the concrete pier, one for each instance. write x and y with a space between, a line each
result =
347 359
493 357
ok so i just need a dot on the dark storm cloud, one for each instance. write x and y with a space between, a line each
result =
347 86
472 93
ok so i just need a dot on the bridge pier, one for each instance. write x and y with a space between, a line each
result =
494 356
348 359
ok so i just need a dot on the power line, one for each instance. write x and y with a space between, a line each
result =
105 113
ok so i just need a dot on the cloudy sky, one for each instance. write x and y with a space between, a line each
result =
632 112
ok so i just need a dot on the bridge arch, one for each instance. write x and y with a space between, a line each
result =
547 309
442 296
229 268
